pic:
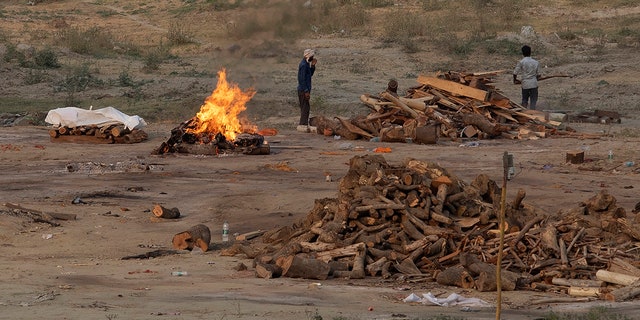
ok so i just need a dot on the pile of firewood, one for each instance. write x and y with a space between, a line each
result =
418 220
452 105
109 133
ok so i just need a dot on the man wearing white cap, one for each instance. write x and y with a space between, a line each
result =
306 68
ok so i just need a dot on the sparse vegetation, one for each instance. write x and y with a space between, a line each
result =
35 76
179 34
46 59
92 41
95 41
77 79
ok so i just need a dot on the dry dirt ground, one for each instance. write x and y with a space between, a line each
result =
75 271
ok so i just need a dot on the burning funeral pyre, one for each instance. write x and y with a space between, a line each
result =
216 128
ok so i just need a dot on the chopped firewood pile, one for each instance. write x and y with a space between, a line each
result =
186 139
453 105
418 220
109 133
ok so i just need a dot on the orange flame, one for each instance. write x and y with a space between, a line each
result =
220 110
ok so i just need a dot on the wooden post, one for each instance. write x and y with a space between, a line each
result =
503 200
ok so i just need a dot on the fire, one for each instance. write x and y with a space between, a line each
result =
219 113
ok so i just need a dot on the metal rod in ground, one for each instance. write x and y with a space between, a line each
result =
503 201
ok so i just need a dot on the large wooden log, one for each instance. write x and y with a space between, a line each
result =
577 282
621 266
162 212
296 266
487 277
625 293
197 236
617 278
455 276
549 240
359 262
482 123
268 271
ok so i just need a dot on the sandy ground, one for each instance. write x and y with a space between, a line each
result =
75 271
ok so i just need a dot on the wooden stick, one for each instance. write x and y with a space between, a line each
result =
400 104
578 235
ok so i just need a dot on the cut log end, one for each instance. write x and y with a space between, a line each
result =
162 212
197 236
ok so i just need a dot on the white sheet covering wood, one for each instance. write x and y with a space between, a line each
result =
75 117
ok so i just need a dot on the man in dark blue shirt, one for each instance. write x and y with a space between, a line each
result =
306 68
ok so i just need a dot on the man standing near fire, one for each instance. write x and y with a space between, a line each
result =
529 69
306 69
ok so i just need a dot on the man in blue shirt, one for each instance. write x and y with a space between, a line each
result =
306 68
529 69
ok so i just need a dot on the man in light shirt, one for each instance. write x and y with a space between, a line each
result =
529 71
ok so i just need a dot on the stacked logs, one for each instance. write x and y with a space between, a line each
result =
452 105
419 220
185 138
110 133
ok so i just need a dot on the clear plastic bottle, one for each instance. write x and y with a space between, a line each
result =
179 273
610 156
225 232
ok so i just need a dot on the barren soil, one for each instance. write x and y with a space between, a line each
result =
75 271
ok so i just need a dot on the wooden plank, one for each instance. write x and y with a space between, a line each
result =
454 87
505 115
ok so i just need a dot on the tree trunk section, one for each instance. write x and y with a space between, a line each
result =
162 212
455 276
197 236
299 267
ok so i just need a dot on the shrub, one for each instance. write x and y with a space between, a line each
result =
178 34
35 76
77 79
46 59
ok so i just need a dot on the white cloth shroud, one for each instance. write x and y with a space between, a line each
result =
75 117
453 299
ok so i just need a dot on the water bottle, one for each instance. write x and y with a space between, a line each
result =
179 273
610 156
225 232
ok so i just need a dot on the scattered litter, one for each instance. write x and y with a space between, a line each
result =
453 299
77 200
382 150
314 285
345 146
47 236
165 313
470 144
